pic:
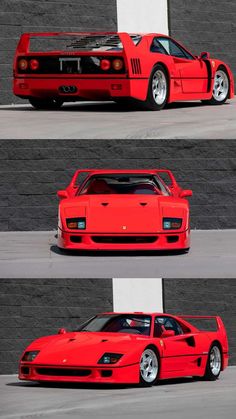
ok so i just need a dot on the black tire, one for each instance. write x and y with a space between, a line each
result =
159 103
211 373
49 103
221 98
148 379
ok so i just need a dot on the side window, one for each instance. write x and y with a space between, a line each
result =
158 47
81 178
168 323
173 49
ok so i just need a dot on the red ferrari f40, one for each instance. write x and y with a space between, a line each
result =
129 348
151 69
123 209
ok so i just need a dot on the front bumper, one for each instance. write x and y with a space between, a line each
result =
86 88
86 241
96 374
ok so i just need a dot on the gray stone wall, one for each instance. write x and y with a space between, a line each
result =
34 308
31 171
19 16
205 25
204 297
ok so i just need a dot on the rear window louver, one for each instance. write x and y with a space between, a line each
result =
136 66
93 42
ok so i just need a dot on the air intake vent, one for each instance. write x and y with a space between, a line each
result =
125 239
136 66
63 372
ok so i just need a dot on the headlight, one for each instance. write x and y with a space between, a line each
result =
109 358
30 356
76 223
172 223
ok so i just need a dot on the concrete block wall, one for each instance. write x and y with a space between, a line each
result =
34 308
31 171
19 16
205 25
204 297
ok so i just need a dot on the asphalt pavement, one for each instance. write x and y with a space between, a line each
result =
179 399
35 255
107 120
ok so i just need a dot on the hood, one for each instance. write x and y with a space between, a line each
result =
85 348
123 213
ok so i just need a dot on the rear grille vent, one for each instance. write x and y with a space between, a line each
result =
124 239
136 66
63 372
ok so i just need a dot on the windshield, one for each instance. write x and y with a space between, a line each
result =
133 184
119 323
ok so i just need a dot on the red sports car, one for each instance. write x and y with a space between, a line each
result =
153 69
123 209
129 348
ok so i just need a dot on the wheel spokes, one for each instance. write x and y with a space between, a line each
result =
221 86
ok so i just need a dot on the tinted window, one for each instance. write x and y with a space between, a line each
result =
174 49
166 323
158 47
118 323
124 184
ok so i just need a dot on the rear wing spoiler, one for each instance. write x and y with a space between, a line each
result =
171 183
23 46
166 176
218 320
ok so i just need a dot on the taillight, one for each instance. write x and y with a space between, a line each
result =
23 64
117 64
105 65
34 64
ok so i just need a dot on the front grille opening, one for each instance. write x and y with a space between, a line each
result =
25 370
63 372
76 239
172 239
125 239
106 373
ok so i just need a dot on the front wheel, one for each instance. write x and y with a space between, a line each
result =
149 367
48 103
158 89
220 89
214 361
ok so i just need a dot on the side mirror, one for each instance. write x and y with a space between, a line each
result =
185 193
61 331
204 55
167 333
62 194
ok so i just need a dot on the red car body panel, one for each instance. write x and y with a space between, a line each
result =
118 221
189 79
180 355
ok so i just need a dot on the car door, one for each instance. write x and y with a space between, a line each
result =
182 352
192 71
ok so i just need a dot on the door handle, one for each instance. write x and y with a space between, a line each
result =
104 204
143 204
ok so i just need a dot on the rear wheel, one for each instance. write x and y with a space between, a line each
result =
149 367
158 89
48 103
214 362
220 89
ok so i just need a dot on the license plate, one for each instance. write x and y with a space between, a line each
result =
70 65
